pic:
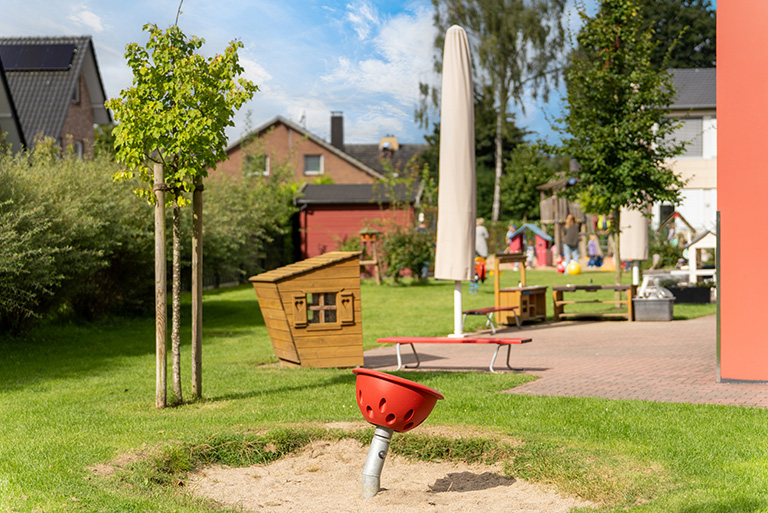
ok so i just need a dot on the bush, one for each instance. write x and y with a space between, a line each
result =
409 249
72 239
246 226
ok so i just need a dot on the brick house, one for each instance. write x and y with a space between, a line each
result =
330 213
56 88
283 142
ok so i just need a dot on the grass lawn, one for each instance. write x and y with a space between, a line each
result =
75 396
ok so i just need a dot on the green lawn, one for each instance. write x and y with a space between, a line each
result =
75 396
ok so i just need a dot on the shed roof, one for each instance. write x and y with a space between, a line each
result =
42 74
306 266
694 88
314 194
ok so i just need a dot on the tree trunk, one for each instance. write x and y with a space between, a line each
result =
197 289
176 319
161 302
498 160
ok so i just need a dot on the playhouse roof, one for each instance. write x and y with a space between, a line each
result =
306 266
535 229
703 240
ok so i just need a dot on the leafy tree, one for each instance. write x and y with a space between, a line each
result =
616 123
516 48
175 114
686 29
527 168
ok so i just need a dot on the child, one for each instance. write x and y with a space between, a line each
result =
593 250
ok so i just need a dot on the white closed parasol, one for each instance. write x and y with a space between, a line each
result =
455 253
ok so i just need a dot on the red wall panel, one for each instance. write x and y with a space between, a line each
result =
742 182
325 227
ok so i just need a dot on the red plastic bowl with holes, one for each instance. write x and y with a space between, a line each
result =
393 402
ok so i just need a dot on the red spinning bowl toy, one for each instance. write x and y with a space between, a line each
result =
392 402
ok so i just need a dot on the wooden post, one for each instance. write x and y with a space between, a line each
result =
176 305
161 302
197 289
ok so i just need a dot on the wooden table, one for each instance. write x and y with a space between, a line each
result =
559 302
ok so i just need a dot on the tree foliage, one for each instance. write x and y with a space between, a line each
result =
616 123
684 30
526 169
516 47
177 109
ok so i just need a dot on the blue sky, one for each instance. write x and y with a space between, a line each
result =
309 57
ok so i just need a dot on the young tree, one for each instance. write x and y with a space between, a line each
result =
174 115
516 49
616 124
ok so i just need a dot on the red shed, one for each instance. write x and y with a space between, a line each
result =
331 214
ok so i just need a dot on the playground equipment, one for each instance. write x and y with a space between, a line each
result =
391 404
312 310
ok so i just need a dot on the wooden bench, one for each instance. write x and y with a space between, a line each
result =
448 340
559 302
488 312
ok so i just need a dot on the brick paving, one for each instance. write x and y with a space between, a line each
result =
653 361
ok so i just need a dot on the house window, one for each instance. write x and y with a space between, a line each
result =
78 148
313 164
256 165
76 94
321 308
690 132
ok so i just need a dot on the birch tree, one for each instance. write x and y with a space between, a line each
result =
517 51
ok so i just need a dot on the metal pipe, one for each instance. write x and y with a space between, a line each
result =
375 461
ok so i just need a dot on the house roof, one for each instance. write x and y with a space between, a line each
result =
315 139
372 156
305 266
318 194
695 88
9 116
43 73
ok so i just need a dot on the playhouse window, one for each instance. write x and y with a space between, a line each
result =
322 307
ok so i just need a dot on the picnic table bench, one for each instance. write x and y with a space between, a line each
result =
449 340
559 302
488 312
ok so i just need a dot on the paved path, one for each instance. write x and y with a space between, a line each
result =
655 361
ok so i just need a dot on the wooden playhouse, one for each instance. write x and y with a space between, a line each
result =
312 310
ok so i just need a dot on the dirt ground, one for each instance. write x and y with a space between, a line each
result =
326 477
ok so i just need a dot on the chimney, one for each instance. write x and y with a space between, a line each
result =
337 129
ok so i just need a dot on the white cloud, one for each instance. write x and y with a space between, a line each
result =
403 58
88 19
362 15
255 72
